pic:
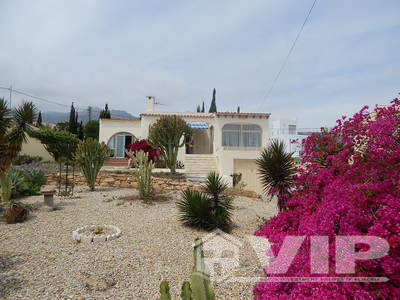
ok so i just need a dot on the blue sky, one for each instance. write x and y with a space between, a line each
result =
120 51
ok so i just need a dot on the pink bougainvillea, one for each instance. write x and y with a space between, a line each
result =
145 146
348 185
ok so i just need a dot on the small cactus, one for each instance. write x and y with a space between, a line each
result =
200 287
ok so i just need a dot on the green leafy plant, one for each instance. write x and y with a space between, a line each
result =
91 130
59 143
144 166
168 134
90 156
200 286
276 169
207 210
33 181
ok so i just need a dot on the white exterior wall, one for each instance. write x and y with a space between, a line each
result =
109 127
34 147
226 156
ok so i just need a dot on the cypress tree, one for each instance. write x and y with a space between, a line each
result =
39 119
198 108
105 113
202 108
80 131
213 106
72 125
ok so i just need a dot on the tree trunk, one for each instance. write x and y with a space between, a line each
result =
5 187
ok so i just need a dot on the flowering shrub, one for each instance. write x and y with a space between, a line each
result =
349 185
144 145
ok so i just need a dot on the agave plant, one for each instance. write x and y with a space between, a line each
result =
14 125
207 210
276 169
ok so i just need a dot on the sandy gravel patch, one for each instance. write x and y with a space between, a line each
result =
40 260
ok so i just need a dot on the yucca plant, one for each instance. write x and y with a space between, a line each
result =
276 169
207 210
90 156
14 125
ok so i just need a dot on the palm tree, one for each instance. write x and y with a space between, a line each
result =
210 210
276 169
14 125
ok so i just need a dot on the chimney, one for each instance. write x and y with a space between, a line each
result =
150 101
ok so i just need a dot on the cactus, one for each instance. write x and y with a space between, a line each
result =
200 287
164 291
144 166
90 156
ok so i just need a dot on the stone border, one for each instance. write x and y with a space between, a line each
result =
78 235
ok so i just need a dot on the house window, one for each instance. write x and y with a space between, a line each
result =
119 142
241 135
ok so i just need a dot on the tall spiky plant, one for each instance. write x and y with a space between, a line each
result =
14 126
209 210
276 169
90 156
144 165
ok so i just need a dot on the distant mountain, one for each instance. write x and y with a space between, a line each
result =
57 116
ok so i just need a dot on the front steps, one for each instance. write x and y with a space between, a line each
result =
197 166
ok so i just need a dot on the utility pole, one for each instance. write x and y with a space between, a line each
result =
10 95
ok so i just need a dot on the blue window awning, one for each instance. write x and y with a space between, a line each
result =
198 125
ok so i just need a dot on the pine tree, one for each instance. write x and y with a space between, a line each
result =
202 108
39 119
238 109
105 113
72 125
198 108
213 106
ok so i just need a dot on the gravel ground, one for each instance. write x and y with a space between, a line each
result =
39 258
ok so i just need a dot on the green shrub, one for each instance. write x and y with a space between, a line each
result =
90 156
33 181
207 210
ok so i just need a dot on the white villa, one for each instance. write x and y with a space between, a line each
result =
226 142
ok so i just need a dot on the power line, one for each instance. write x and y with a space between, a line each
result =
290 50
51 101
